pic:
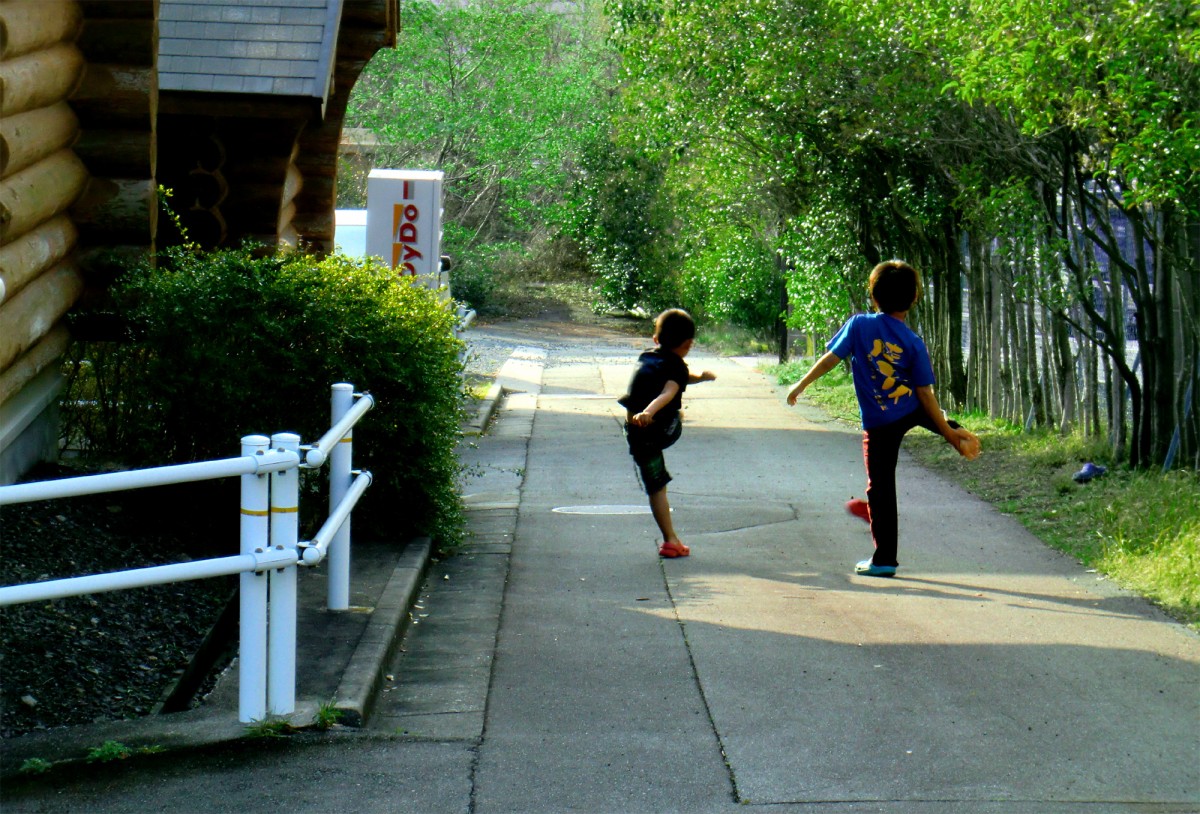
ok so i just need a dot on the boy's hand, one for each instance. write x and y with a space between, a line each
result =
795 392
641 419
968 444
708 376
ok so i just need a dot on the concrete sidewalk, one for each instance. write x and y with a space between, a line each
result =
557 664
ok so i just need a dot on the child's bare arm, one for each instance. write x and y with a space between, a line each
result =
964 441
670 390
822 366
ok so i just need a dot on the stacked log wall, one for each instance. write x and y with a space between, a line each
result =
117 106
79 125
41 177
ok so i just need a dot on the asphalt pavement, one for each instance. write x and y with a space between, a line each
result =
556 664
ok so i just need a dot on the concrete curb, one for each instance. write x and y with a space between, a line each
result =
217 722
486 410
363 676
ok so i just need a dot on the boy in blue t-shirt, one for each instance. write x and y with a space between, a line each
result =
652 406
893 380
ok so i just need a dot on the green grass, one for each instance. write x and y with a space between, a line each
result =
834 391
1141 529
732 340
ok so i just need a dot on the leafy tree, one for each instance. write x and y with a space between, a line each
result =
1092 109
1046 154
501 96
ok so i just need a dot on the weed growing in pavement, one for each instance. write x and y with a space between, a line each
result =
269 727
108 751
36 765
328 716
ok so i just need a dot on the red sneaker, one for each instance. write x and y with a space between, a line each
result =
859 508
673 548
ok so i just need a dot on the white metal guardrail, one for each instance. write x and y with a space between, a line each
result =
270 547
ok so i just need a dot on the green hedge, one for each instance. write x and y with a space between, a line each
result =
224 344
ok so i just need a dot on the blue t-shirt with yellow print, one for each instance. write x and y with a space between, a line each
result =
888 361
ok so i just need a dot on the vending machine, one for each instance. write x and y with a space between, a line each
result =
404 222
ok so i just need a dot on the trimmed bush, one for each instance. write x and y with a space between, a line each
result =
224 344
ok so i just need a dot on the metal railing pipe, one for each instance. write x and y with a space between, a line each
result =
341 409
281 625
354 407
252 590
121 580
270 550
315 549
268 461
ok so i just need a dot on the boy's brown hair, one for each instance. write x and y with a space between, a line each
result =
674 327
895 286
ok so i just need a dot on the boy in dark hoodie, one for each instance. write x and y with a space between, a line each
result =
652 404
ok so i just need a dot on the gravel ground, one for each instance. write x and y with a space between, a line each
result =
111 655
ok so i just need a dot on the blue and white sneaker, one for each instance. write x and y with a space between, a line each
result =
870 569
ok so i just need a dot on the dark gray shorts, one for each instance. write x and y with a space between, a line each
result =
646 445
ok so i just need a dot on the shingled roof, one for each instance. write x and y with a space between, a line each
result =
275 47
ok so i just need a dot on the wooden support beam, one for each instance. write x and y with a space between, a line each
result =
115 96
318 188
27 138
288 238
39 79
26 27
239 105
293 182
117 153
120 42
38 193
29 316
31 254
284 225
118 9
118 210
314 226
370 14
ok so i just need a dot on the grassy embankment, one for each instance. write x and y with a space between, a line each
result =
1141 529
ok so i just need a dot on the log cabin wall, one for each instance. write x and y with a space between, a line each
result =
41 176
230 173
267 170
117 105
237 104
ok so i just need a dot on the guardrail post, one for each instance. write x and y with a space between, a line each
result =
339 483
252 647
281 625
